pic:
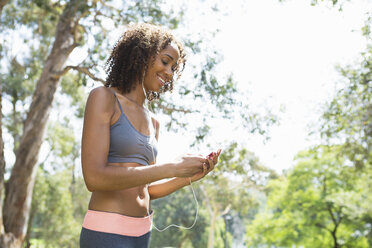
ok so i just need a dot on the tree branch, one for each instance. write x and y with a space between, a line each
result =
109 6
322 226
329 208
171 109
84 70
227 209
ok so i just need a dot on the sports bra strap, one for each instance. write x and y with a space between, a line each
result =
118 102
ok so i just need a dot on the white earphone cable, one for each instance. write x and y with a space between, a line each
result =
193 192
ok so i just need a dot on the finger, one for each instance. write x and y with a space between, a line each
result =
215 158
202 159
211 165
205 169
208 165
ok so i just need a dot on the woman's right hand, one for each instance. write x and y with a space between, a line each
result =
189 165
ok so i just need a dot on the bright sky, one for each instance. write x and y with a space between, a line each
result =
284 54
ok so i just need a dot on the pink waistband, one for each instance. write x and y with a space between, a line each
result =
117 223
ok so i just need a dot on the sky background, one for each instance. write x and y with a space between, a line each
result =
285 55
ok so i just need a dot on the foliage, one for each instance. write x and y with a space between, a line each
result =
334 3
179 208
60 197
53 212
16 86
72 86
348 116
314 206
226 195
233 189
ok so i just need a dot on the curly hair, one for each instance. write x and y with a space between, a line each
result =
131 56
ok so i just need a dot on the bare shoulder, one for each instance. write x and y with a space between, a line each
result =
101 96
101 101
101 93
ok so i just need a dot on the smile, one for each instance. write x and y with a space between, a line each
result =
161 80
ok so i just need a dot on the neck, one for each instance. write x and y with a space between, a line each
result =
137 96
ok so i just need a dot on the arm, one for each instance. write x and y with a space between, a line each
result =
165 187
97 174
95 146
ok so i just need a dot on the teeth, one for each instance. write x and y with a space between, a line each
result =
161 80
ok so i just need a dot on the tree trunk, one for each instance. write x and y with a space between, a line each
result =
27 240
335 243
336 222
213 215
6 240
182 242
226 242
334 236
2 160
212 226
18 193
2 4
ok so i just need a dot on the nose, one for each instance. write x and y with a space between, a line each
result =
169 73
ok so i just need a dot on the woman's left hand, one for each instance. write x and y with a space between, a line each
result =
212 160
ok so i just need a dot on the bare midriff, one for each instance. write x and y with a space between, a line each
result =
131 202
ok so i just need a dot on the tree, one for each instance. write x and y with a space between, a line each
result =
347 120
347 117
314 206
2 4
233 187
53 220
179 208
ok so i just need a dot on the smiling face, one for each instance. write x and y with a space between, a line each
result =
162 68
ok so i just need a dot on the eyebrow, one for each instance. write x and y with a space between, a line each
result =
176 64
169 56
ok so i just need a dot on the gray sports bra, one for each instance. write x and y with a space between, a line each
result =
128 145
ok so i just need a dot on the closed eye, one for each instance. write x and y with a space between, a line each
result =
174 68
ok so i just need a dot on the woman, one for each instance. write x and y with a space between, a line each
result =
120 141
